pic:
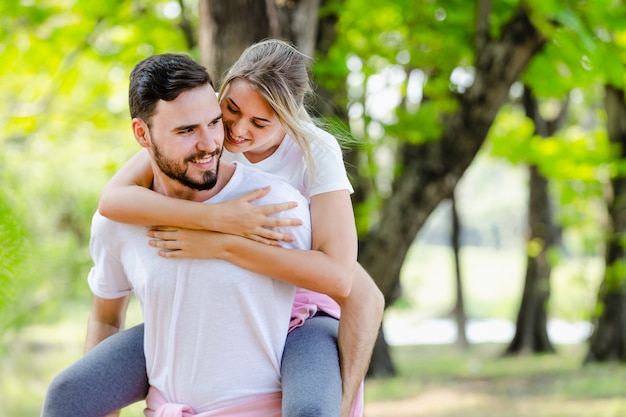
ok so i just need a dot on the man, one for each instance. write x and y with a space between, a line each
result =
214 332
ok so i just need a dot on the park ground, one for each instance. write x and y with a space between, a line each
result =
434 378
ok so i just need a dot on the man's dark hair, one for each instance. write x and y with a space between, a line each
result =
162 77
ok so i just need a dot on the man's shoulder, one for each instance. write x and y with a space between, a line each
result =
258 178
101 225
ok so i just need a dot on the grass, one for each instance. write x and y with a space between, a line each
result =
30 359
432 380
440 381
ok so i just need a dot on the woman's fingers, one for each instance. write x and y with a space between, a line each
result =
163 234
165 244
268 208
164 228
281 222
278 207
264 235
256 194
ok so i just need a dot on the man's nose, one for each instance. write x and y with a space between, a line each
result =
207 140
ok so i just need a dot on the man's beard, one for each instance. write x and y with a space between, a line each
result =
178 172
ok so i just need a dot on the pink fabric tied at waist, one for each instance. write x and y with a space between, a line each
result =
268 405
307 303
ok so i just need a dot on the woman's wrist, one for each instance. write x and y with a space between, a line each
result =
208 217
230 246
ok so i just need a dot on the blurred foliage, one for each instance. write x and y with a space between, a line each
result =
12 255
64 124
403 83
64 130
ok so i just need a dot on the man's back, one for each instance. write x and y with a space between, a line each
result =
214 332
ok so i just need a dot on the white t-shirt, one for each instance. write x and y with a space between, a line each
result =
289 165
214 332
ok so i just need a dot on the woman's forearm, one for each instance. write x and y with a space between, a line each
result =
135 204
310 269
129 198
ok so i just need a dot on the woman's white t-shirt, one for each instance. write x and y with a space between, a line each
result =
288 163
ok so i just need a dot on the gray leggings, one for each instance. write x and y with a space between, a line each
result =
113 375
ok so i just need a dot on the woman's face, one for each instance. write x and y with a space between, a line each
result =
251 126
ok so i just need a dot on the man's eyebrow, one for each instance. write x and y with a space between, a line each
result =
185 127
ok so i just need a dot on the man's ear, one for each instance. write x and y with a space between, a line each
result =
141 132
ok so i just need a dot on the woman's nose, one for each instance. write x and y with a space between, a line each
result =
238 129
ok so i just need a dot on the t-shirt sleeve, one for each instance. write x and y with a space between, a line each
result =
328 166
281 191
302 233
107 278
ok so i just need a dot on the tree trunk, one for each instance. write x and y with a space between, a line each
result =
459 306
531 332
432 170
608 341
228 27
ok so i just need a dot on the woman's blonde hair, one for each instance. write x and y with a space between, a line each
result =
280 73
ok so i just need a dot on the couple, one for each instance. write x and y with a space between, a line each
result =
215 340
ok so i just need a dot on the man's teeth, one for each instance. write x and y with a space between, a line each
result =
203 160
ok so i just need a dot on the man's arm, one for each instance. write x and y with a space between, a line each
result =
106 318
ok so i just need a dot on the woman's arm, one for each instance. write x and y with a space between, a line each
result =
327 269
128 194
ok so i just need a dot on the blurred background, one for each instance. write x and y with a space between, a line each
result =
485 142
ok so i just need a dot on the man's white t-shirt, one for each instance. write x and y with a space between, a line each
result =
214 332
288 163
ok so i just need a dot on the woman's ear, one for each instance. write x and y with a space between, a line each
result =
141 132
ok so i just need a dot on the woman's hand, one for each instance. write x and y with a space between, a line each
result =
241 217
185 243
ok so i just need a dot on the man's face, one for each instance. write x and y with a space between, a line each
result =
186 138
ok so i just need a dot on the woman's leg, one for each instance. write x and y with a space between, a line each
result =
311 378
110 376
